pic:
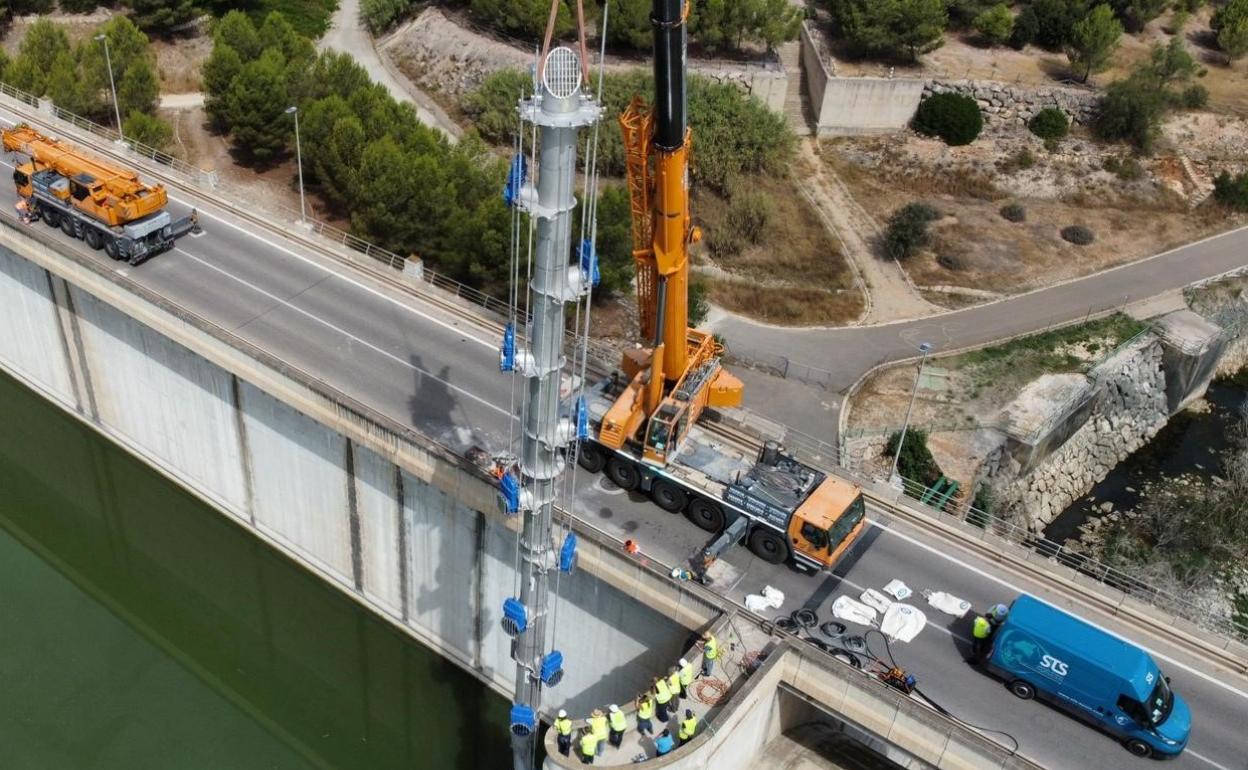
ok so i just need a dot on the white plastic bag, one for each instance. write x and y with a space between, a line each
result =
902 622
774 595
846 608
898 590
948 603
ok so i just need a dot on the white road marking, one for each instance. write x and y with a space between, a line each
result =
1012 587
1205 759
343 332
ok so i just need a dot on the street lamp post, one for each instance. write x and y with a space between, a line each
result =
112 85
303 208
924 349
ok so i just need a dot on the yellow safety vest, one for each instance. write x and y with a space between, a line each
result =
564 726
598 726
589 744
686 674
673 682
617 721
688 727
661 693
645 709
710 650
981 627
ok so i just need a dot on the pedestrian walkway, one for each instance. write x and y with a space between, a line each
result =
738 656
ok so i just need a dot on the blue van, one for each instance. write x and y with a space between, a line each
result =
1098 677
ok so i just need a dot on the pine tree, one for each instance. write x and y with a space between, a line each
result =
161 15
138 88
254 108
1092 41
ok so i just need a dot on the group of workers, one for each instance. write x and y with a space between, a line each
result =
983 628
661 701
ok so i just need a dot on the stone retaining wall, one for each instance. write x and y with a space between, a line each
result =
1016 103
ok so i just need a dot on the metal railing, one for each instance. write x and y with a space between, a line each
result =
962 511
780 365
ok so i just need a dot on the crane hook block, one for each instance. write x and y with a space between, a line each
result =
516 177
589 263
515 617
552 668
567 554
507 353
523 720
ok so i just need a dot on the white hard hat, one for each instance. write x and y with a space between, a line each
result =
613 707
684 662
563 714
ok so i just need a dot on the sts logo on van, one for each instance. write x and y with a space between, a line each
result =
1058 668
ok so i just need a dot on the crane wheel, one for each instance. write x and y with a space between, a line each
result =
623 473
591 458
51 217
705 514
668 496
67 227
93 238
768 546
110 248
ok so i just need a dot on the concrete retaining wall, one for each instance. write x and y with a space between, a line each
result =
397 526
844 106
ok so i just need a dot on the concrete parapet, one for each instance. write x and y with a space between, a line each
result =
1191 349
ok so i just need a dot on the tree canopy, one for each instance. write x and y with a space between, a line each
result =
891 27
1230 23
1093 40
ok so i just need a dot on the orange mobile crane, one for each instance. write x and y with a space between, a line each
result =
647 434
108 207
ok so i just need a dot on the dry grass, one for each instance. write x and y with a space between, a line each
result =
796 274
179 62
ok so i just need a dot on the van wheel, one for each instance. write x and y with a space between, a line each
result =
623 473
706 514
1022 689
591 458
1139 748
768 546
668 496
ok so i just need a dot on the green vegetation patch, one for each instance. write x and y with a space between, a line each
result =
310 18
1072 349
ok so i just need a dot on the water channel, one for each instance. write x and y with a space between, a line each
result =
140 628
1191 443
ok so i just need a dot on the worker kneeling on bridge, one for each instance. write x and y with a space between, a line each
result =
589 746
688 727
664 743
563 732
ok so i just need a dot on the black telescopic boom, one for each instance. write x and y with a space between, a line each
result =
669 75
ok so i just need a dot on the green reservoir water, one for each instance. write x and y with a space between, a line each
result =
141 629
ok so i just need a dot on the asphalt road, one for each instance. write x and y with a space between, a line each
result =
436 373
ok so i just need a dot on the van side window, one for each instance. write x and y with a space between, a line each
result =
1132 708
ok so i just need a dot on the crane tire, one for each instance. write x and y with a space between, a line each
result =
705 514
623 473
768 546
51 217
110 248
668 496
67 227
93 238
591 458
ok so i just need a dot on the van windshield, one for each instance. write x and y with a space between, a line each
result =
1160 702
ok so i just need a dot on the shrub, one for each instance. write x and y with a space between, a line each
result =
1231 191
995 24
1078 235
1019 161
749 214
1050 124
907 230
146 129
1131 110
699 306
953 262
1026 27
1126 169
915 462
953 117
1194 97
1014 212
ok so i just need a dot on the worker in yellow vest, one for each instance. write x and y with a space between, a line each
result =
673 685
589 746
686 677
563 733
617 723
710 652
645 714
981 632
598 726
662 696
688 727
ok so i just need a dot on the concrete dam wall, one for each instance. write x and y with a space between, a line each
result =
395 524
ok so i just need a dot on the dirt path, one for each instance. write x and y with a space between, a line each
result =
890 296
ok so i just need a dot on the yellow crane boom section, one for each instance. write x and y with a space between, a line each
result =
113 195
